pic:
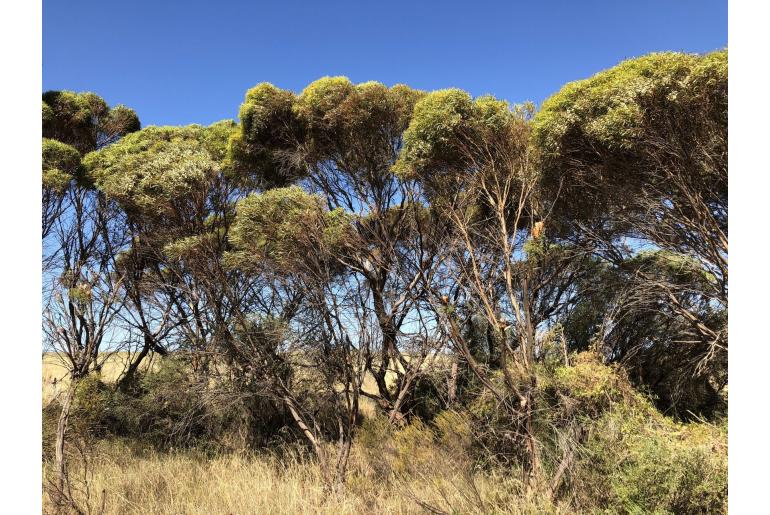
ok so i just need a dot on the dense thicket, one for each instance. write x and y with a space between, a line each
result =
541 276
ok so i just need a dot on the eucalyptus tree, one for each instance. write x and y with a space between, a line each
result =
340 140
623 314
73 125
60 167
638 154
471 159
84 120
82 233
169 182
230 291
290 241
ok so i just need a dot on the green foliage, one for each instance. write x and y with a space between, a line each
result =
84 120
191 246
274 222
588 386
602 136
282 137
61 163
337 228
261 149
416 449
461 151
654 343
611 107
370 147
646 463
676 268
631 459
92 406
440 118
450 132
161 171
320 103
340 115
168 407
427 396
285 226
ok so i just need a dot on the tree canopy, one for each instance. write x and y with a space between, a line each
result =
84 120
604 139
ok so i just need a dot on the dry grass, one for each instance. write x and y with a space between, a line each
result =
116 479
636 460
152 483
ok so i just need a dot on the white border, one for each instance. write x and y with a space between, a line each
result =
20 367
749 367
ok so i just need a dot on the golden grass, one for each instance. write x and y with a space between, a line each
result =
391 470
182 483
115 479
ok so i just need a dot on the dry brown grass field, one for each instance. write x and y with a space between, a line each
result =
122 482
407 470
115 478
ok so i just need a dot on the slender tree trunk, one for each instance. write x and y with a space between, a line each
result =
564 349
389 333
302 425
60 464
532 446
395 414
343 454
128 378
150 344
452 386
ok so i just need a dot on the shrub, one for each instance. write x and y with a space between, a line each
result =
633 459
650 464
626 456
172 407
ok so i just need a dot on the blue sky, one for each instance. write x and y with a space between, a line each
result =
191 62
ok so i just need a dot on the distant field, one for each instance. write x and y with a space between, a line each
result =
55 376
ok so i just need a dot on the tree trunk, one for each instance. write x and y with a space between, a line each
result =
452 386
343 454
128 378
60 465
532 447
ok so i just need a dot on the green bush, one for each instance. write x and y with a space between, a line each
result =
627 456
170 407
633 459
650 464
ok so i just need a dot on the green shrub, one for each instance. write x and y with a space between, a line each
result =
651 464
627 457
634 459
427 396
172 407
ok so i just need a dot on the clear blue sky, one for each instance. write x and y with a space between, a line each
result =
179 62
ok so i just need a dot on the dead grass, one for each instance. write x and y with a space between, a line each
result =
116 479
122 482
